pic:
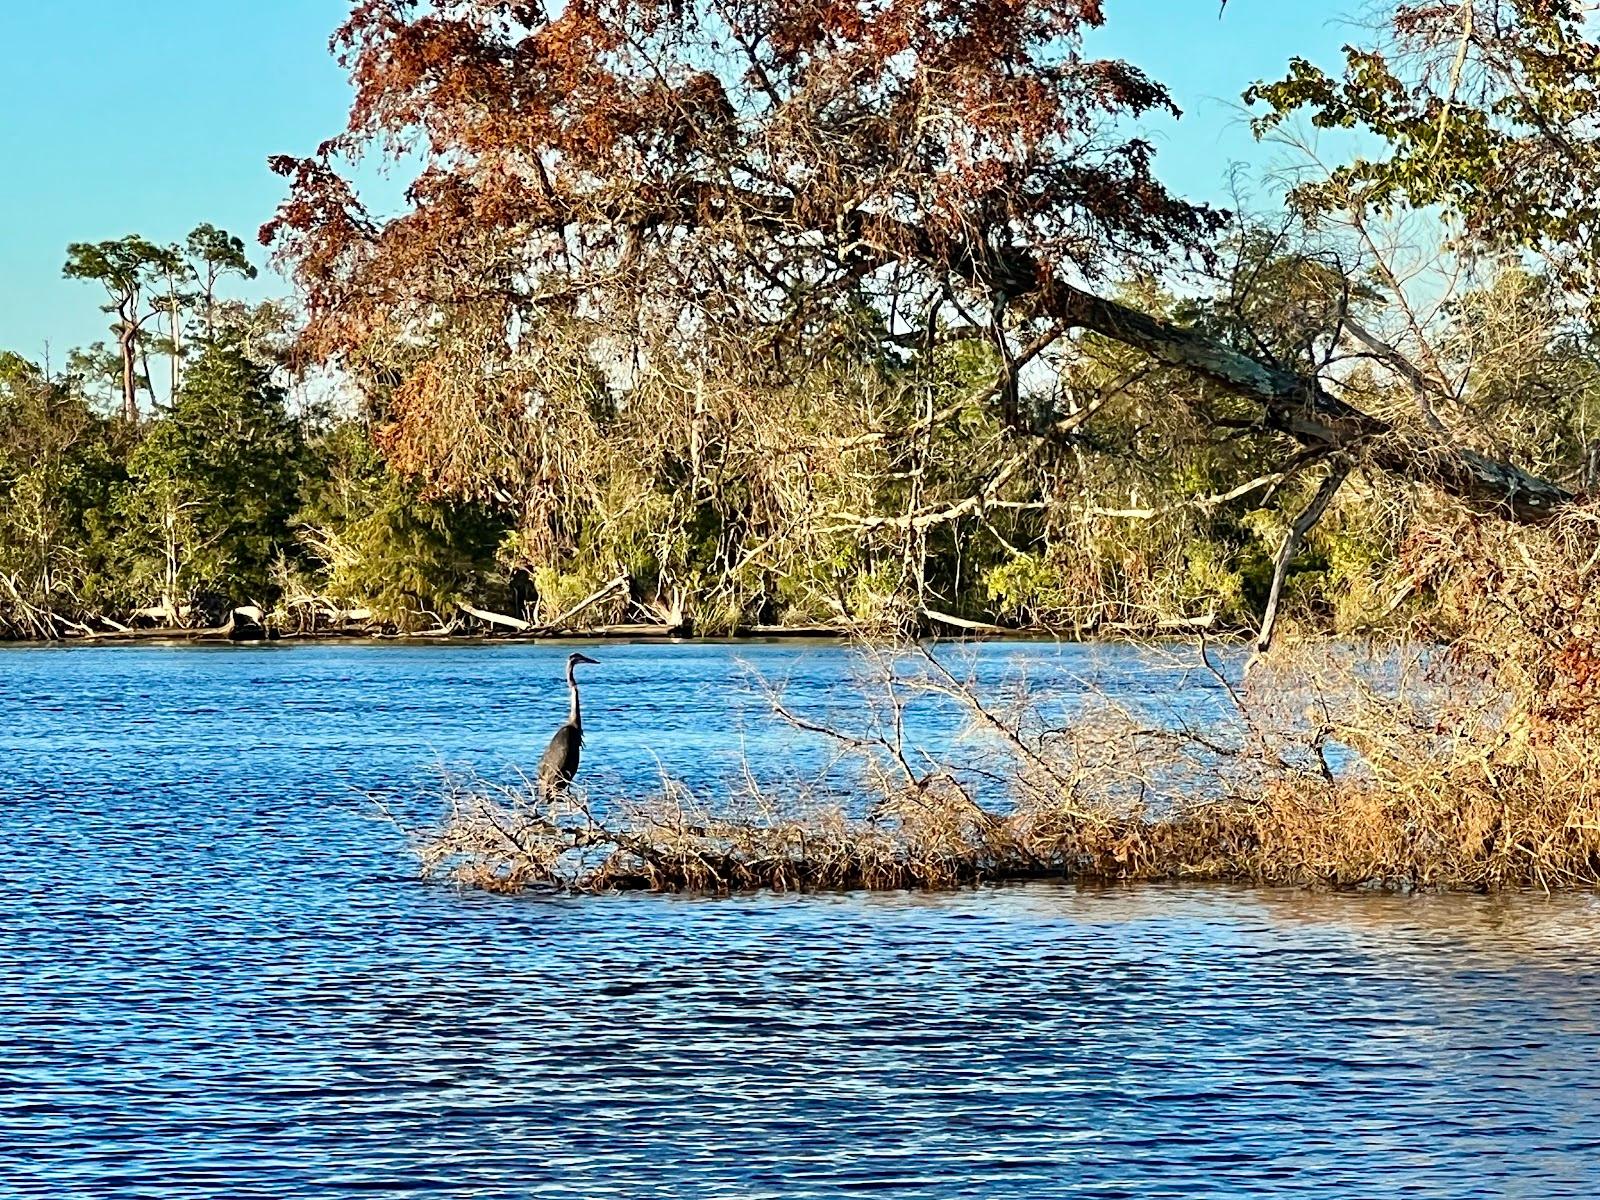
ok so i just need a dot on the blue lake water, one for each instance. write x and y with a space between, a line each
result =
220 976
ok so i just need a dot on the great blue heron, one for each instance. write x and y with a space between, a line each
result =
560 761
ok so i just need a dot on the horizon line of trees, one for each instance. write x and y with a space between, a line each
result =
879 491
838 313
123 504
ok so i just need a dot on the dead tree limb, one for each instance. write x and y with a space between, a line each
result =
1301 407
1338 471
494 618
1293 403
619 583
1402 366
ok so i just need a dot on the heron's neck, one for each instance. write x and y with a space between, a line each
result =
574 718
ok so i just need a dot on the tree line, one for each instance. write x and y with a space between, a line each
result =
911 277
124 504
739 316
879 490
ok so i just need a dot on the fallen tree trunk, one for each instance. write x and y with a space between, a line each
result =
1301 407
494 618
962 623
620 582
1298 405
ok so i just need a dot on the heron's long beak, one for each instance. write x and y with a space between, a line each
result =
584 658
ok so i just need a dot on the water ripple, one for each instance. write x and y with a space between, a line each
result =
219 980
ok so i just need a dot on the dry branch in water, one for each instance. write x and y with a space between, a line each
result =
1470 764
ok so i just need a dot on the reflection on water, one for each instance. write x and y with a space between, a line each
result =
220 980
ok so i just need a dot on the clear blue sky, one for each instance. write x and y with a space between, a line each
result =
151 117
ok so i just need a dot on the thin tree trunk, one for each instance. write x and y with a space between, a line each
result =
1292 541
176 333
170 599
130 399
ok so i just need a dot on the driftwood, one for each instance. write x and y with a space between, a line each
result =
954 622
162 633
161 612
324 607
494 618
620 582
563 622
1301 407
792 631
1165 625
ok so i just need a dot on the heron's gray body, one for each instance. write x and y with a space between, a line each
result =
560 761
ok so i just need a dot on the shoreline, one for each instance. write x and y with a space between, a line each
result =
226 635
937 628
640 634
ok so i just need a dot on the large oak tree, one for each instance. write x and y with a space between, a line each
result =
749 181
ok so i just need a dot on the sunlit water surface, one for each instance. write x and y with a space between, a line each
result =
221 978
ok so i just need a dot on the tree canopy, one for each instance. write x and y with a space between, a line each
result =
845 311
738 182
1485 108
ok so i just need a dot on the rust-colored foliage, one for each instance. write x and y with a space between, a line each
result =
1522 607
647 172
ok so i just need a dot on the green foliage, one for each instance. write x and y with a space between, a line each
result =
161 298
377 543
1486 110
212 485
120 265
59 466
